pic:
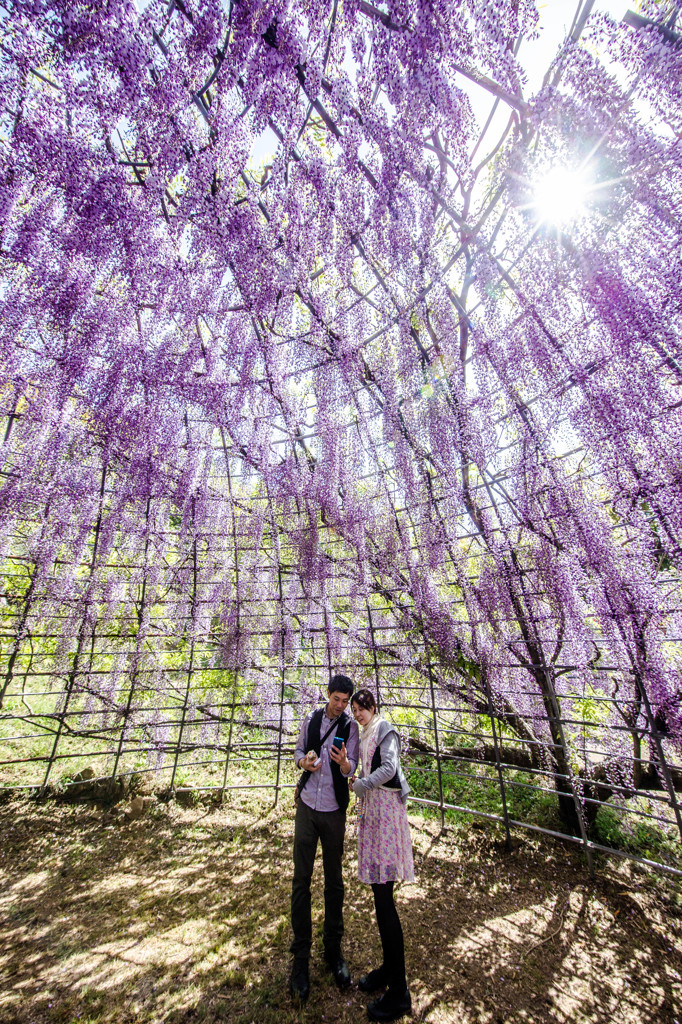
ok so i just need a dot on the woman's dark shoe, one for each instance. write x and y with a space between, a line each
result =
377 978
299 982
390 1006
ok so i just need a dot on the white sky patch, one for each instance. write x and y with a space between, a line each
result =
535 56
556 18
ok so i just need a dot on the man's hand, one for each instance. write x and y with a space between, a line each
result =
341 758
307 763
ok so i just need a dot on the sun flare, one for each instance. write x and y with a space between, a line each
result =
560 196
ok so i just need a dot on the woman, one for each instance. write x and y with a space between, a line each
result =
384 850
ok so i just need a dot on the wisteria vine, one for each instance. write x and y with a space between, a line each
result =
356 387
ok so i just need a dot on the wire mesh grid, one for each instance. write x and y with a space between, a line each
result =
189 655
405 455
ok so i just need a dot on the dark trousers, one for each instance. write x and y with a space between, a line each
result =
329 827
391 932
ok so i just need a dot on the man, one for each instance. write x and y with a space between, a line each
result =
321 814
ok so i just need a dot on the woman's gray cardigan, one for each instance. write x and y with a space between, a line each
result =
389 741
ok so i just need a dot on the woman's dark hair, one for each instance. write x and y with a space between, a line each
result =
340 684
364 699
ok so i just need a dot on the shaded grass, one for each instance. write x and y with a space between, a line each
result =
182 917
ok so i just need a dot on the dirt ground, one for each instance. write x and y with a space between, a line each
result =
182 916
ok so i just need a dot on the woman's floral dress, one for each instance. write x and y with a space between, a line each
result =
384 841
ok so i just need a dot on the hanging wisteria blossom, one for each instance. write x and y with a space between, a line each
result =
304 368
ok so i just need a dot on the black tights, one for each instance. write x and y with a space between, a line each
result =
391 933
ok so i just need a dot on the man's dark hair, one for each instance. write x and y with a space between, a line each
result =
341 684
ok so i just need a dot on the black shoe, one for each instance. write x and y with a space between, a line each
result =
339 968
299 982
374 980
390 1006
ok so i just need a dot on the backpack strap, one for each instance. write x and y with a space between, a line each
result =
313 742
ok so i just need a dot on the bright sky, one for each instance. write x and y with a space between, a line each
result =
556 17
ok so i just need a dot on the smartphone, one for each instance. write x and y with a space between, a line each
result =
338 742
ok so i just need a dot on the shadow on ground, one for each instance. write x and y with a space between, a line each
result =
182 916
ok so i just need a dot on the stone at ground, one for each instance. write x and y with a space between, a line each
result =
136 809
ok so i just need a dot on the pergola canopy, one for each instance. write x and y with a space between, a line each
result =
362 403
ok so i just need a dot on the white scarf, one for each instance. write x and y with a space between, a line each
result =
365 737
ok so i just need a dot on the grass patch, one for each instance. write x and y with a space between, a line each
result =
182 917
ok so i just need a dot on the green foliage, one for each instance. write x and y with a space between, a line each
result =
467 667
589 706
476 787
614 828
